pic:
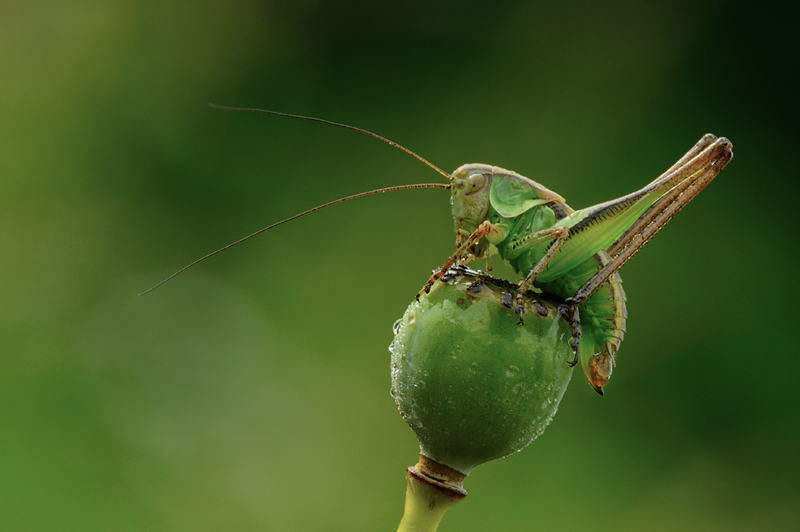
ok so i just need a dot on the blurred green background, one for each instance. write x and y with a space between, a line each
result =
252 392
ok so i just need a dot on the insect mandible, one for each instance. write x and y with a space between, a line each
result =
571 254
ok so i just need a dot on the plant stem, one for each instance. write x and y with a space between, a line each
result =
432 489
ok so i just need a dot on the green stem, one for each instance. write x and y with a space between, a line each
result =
432 489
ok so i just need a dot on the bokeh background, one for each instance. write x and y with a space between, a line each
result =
252 392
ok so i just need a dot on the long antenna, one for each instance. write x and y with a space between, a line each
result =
352 128
309 211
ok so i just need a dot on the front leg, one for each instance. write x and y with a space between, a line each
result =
486 229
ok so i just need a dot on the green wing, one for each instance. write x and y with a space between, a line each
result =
513 194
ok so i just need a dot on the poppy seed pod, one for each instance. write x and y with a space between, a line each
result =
471 381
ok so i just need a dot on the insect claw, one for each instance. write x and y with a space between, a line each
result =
541 309
475 287
570 311
575 360
600 391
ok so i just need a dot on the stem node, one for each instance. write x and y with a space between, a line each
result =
432 489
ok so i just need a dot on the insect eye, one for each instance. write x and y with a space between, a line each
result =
474 183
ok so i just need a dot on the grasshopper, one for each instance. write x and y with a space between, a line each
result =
572 254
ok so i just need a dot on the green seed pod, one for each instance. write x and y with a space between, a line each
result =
473 384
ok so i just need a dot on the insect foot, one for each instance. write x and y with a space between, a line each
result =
569 310
506 300
520 308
